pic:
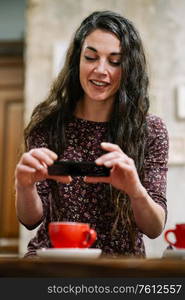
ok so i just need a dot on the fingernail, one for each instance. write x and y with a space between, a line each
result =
40 167
50 162
107 164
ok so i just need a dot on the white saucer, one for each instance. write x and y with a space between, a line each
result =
69 253
176 253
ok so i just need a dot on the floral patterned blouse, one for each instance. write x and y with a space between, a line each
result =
90 203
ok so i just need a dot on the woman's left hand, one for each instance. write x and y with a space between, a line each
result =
123 174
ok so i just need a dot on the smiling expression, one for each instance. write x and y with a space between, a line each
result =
100 66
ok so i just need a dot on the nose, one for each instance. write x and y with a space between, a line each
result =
101 67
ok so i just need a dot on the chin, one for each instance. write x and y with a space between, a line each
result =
99 98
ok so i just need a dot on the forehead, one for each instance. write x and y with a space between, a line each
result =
102 40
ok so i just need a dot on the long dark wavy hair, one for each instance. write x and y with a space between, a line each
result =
127 126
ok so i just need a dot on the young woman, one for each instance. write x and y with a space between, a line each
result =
97 110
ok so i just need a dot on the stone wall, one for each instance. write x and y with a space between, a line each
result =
161 23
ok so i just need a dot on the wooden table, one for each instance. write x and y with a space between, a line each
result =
102 267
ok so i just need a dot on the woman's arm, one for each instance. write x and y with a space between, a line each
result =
32 168
147 199
28 206
149 216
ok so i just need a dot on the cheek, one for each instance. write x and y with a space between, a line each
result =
117 78
83 73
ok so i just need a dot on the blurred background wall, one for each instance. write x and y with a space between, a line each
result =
49 27
12 19
12 36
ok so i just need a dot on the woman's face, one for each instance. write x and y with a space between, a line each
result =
100 66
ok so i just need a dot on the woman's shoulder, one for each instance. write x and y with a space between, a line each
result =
39 136
157 142
156 125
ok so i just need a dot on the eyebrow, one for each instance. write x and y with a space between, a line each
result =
94 50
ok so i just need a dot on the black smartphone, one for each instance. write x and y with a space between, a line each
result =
77 168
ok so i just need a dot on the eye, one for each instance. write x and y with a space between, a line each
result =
89 58
115 63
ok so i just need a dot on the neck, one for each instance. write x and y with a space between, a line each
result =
98 112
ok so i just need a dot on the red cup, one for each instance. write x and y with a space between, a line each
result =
71 235
179 233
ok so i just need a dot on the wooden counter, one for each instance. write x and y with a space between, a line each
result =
102 267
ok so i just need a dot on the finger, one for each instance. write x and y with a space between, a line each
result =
31 161
51 154
24 169
89 179
109 156
119 161
42 156
121 166
113 148
23 175
110 147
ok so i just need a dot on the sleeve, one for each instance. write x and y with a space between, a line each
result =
38 138
156 161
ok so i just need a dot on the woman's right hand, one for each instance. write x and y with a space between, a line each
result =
32 167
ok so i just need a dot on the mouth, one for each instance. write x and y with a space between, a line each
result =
99 83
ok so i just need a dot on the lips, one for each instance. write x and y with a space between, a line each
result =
99 83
